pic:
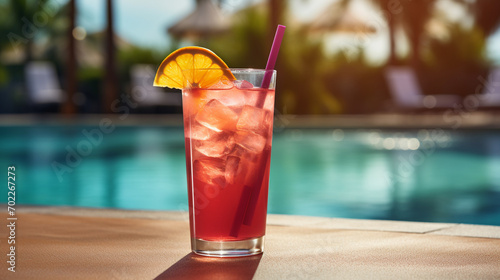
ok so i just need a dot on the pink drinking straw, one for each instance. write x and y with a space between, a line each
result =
271 61
249 196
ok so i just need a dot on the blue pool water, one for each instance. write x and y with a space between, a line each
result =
417 175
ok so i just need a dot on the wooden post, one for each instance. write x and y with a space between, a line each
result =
110 82
392 41
69 107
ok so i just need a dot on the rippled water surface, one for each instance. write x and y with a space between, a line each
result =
418 175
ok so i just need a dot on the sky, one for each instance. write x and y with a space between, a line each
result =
146 24
143 24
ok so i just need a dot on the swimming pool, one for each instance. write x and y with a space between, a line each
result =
428 175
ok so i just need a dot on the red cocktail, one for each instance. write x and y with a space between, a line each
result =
228 132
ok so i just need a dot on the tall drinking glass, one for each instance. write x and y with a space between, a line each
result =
228 132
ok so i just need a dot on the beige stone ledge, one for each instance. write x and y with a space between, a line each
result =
287 221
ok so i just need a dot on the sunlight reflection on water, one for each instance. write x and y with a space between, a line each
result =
373 174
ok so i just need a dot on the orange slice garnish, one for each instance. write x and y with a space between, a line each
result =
192 67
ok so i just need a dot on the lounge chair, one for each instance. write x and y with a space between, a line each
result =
406 92
491 90
42 84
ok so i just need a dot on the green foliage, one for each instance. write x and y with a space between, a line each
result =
462 47
302 66
135 55
247 45
26 20
358 86
90 81
4 76
87 73
309 82
300 63
454 63
5 23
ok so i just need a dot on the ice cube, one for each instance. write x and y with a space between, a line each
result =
210 171
253 142
217 116
231 100
242 84
254 96
218 145
232 164
222 84
241 152
269 102
201 132
254 119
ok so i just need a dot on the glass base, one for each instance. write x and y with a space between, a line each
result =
224 249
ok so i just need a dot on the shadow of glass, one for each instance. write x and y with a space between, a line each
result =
193 266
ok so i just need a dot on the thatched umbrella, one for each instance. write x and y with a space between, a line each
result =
207 19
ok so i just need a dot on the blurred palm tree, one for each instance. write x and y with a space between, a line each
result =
384 4
415 15
412 16
486 14
22 13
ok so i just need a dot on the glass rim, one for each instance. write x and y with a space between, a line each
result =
233 70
